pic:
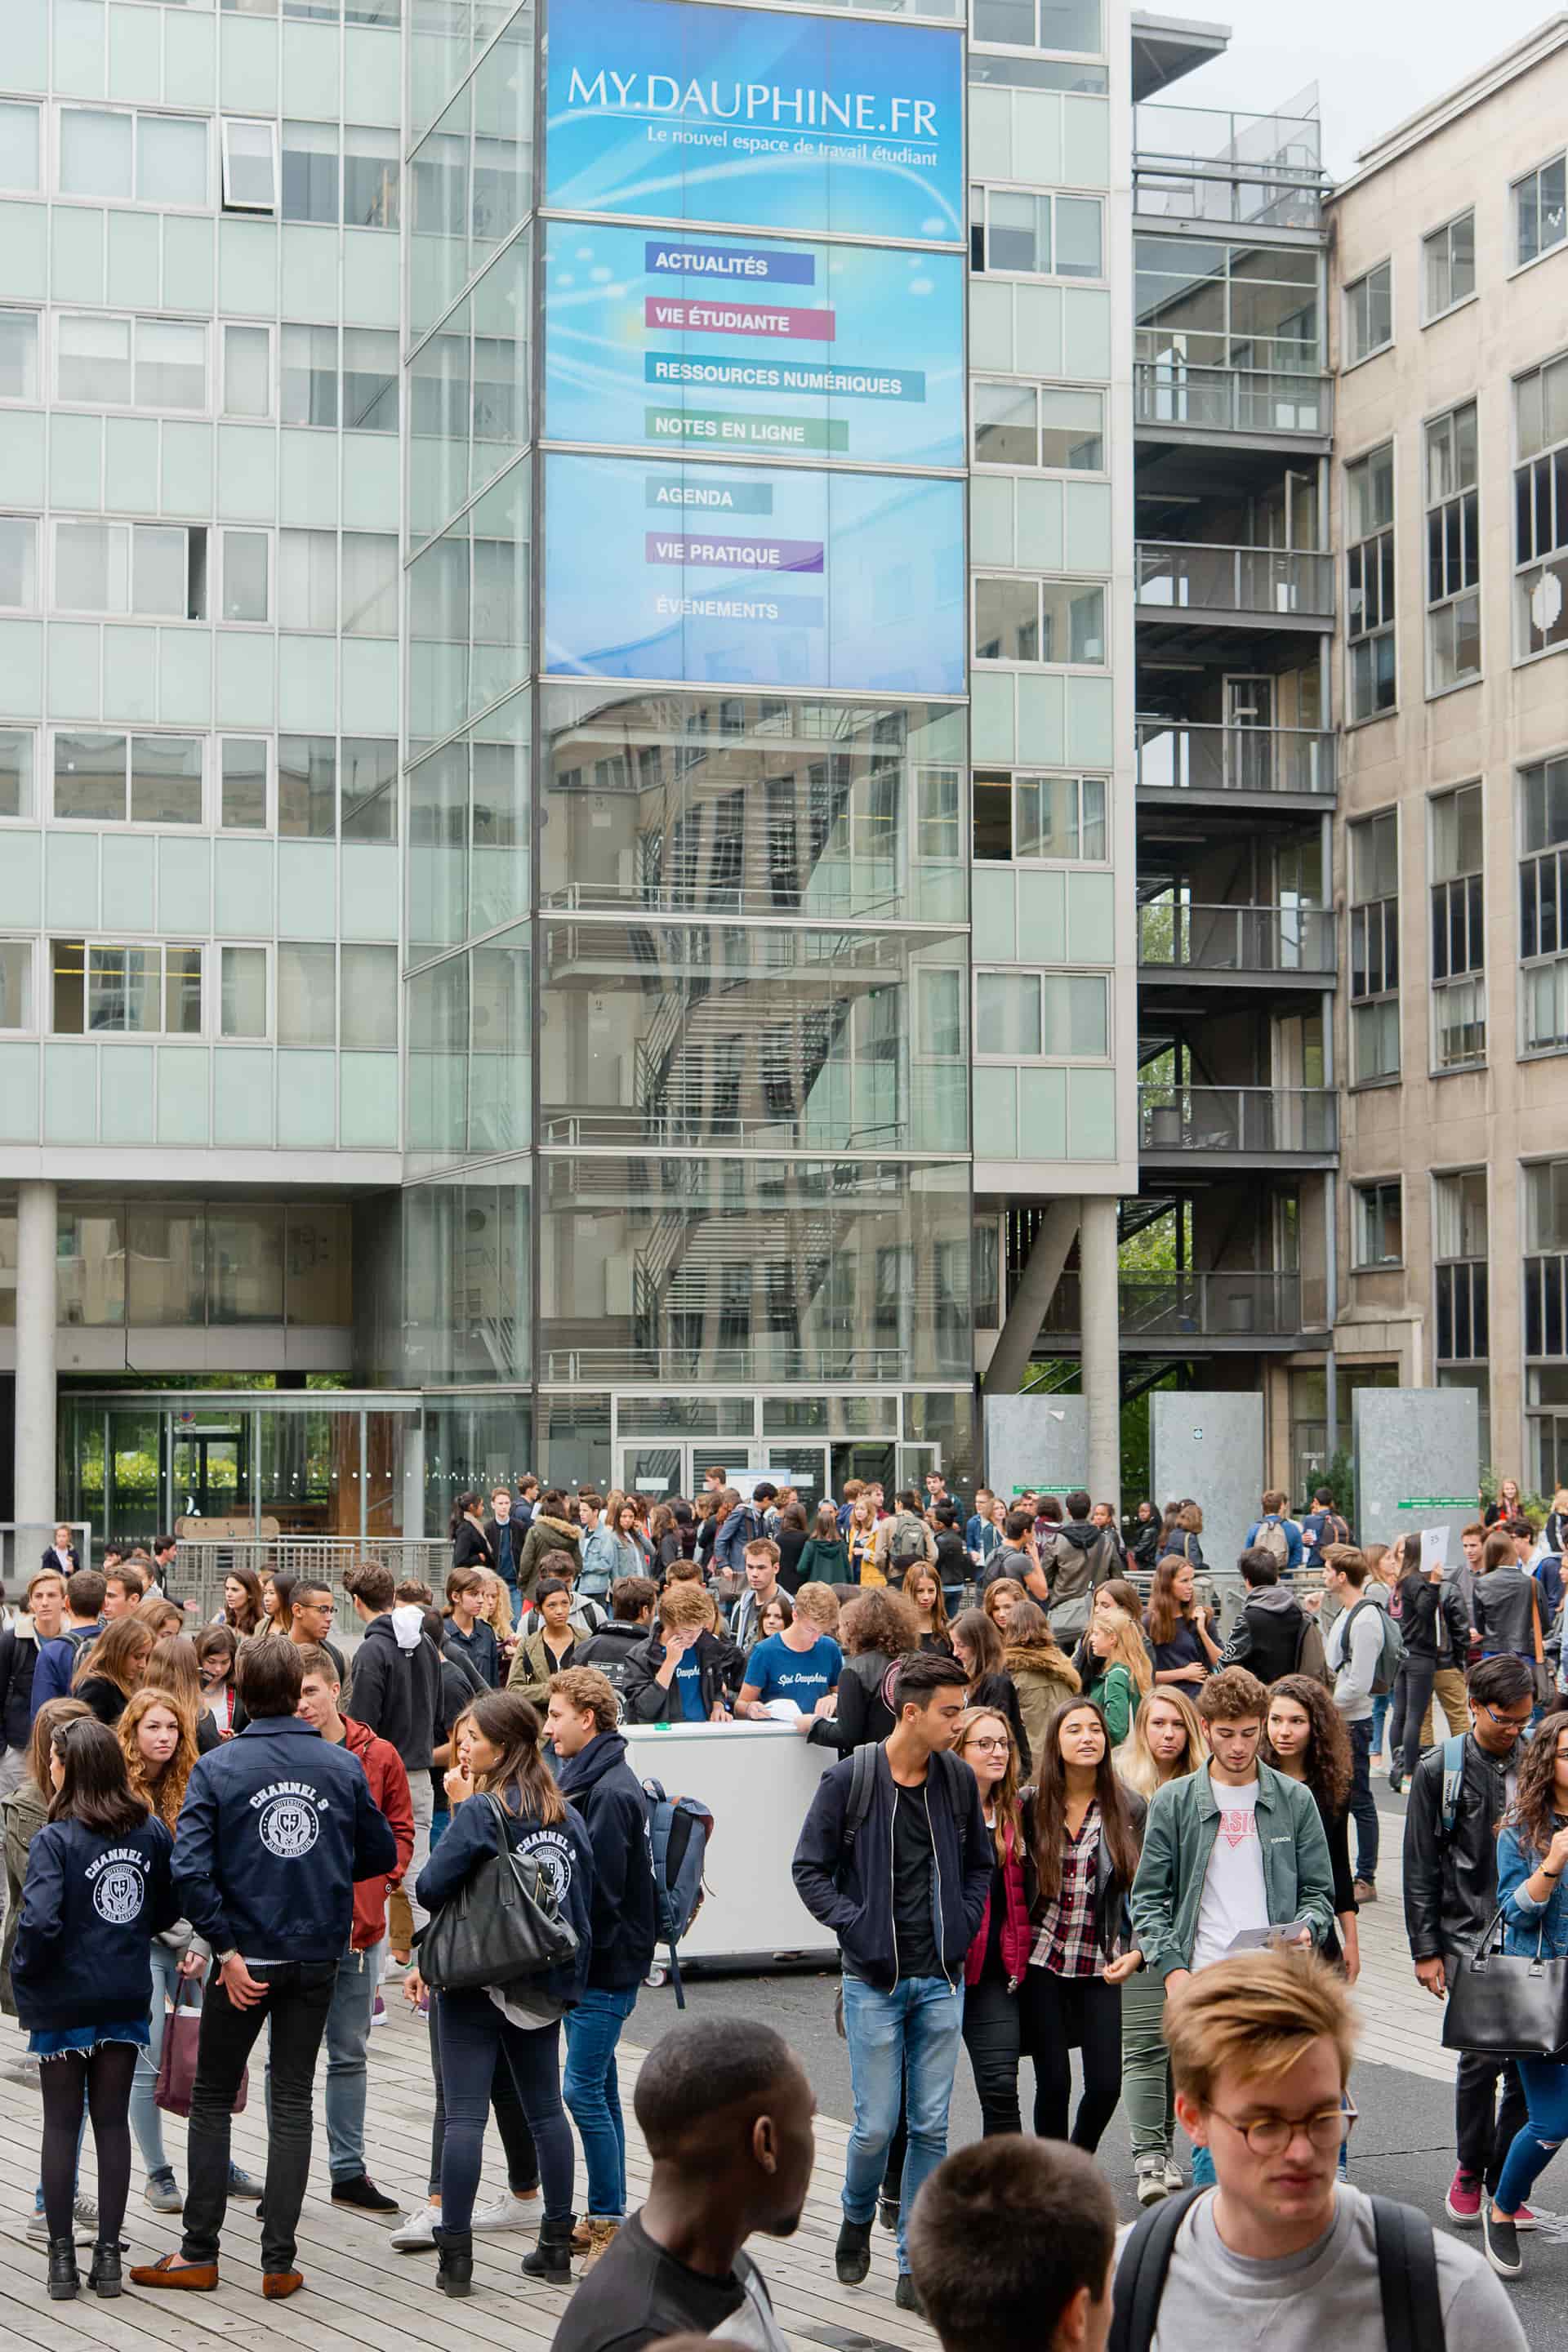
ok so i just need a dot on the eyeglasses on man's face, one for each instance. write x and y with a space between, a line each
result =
1272 2135
1506 1722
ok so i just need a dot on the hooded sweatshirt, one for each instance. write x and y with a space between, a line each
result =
545 1535
1266 1635
395 1687
1080 1557
607 1793
389 1787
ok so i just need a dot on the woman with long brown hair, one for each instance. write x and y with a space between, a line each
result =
922 1590
1304 1737
107 1674
521 2026
977 1645
218 1653
1184 1650
1088 1832
1532 1861
242 1611
174 1666
157 1738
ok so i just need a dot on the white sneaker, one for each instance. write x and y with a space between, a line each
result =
418 2231
508 2213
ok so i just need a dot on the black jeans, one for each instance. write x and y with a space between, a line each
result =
299 1995
1363 1804
992 2036
1485 2131
474 2036
522 2163
1057 2012
1416 1676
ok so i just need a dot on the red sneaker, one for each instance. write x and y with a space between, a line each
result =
1525 2220
1464 2199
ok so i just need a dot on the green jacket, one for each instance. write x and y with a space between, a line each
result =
1178 1840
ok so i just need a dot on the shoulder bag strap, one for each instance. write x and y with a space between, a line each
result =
1535 1621
1407 2278
1141 2274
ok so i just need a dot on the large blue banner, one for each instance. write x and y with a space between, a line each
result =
753 575
753 349
668 109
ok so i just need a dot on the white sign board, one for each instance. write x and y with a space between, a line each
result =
746 1482
1434 1548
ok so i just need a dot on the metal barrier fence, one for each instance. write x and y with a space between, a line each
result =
201 1563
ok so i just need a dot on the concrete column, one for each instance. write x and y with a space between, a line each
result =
36 1254
1036 1286
1101 1348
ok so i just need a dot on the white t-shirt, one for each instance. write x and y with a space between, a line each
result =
1233 1896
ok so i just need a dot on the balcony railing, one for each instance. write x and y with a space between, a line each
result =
1197 163
1185 1305
1276 583
1232 400
1242 1122
1176 936
1178 757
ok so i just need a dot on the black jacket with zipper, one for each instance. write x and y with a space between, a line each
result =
1433 1620
607 1793
862 1712
1450 1883
851 1889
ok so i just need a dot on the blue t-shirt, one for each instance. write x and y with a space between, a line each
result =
689 1688
775 1670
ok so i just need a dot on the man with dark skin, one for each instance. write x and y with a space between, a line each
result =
727 2114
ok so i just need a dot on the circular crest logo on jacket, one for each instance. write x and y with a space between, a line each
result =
550 1854
289 1828
117 1895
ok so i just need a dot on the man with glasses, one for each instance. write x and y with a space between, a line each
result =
312 1610
1459 1794
1280 2250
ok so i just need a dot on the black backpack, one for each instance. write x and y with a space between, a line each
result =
1407 2270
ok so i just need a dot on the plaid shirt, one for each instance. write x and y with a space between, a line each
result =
1065 1940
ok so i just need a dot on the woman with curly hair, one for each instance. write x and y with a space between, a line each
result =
1532 1860
877 1629
1305 1738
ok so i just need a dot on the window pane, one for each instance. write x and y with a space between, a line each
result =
158 584
1004 429
1094 843
1074 1017
15 984
1072 430
1074 623
90 777
369 770
370 584
67 1011
244 782
308 578
307 787
123 990
307 984
1047 817
242 1009
166 779
171 160
1011 21
369 379
245 556
249 175
183 992
18 563
16 772
94 359
370 178
310 171
1007 620
993 816
1018 231
1078 237
310 376
248 370
1008 1013
368 987
19 146
1070 25
170 364
939 996
95 152
91 567
1462 257
18 355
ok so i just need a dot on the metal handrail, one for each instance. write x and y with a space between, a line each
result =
1243 1121
1186 1304
1201 576
1233 400
1182 935
1178 754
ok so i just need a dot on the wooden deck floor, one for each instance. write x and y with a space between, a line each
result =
362 2297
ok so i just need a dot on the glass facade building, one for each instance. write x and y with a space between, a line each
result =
530 573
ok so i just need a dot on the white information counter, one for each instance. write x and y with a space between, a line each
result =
757 1781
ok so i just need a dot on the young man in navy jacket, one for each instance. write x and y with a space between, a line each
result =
276 1827
591 1758
904 1891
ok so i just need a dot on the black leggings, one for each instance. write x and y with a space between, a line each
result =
104 2076
1057 2012
521 2162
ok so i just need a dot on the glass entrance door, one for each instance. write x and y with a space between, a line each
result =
209 1470
656 1471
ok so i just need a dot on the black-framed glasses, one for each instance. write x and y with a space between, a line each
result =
1272 2135
1506 1722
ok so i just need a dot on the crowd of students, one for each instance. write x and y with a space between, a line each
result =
1075 1813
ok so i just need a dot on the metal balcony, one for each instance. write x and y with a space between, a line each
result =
1284 587
1236 945
1224 1310
1265 401
1200 164
1279 763
1198 1126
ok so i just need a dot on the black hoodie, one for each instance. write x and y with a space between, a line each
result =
608 1795
1079 1557
397 1692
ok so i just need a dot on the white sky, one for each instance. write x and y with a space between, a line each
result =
1375 61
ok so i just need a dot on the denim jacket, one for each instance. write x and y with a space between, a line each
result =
1529 1926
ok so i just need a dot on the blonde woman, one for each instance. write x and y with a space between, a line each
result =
1125 1676
1165 1743
494 1610
859 1535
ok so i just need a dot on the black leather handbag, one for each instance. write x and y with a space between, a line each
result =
503 1925
1508 2004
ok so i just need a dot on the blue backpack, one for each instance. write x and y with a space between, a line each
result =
679 1830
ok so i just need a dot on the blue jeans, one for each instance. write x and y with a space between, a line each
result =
1380 1706
906 2040
592 2092
1545 2084
348 2032
146 2115
1363 1804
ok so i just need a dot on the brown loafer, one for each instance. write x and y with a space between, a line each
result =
276 2284
192 2278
